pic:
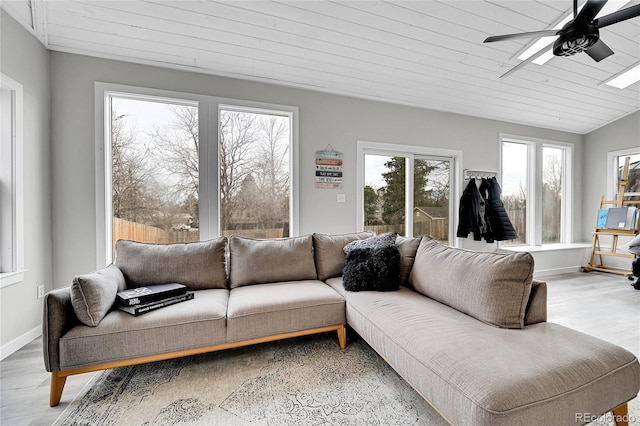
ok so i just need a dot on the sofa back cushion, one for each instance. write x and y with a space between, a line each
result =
408 248
199 265
328 252
255 261
493 288
93 294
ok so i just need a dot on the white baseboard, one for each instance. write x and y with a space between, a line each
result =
556 271
19 342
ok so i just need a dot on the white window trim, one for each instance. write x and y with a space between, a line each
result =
534 196
410 151
612 171
209 110
15 209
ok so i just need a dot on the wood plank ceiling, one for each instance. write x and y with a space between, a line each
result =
421 53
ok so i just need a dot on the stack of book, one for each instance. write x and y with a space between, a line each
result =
138 301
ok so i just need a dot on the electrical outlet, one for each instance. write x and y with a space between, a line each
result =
341 198
40 291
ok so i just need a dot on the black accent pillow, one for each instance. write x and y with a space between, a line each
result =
372 264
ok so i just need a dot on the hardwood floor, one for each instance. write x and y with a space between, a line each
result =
599 304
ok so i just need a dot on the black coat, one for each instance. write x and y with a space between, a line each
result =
498 218
471 212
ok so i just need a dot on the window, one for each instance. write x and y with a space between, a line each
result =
169 176
615 165
11 185
410 190
536 189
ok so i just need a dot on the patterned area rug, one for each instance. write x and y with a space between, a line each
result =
304 381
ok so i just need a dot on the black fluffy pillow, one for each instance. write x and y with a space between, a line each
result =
372 264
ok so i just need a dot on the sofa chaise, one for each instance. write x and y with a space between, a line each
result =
466 330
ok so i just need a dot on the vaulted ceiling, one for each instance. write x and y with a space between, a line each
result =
421 53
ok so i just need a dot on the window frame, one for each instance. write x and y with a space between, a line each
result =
208 118
411 152
535 166
612 171
12 165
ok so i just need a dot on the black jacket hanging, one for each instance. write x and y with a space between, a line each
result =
488 230
471 212
498 217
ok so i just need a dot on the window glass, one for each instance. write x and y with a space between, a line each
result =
254 174
633 178
384 194
515 171
552 190
431 198
154 171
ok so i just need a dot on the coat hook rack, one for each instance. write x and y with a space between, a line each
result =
478 174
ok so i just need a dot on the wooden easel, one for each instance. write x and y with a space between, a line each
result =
596 250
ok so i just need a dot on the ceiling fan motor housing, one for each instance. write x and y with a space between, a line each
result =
574 40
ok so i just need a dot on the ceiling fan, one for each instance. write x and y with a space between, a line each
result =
581 34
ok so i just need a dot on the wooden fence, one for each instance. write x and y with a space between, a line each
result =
438 229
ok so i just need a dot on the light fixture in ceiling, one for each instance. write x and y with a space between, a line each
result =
546 42
625 78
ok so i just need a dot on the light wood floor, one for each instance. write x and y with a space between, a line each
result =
600 304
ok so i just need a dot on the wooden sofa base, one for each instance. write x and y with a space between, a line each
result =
58 378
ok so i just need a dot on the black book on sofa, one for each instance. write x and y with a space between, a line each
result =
148 294
152 306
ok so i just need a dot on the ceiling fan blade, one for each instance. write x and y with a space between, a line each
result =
588 12
599 51
619 16
532 34
525 62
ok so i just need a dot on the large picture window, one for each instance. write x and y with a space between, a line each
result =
410 190
536 189
169 175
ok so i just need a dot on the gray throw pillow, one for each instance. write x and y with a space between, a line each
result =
93 294
408 248
372 264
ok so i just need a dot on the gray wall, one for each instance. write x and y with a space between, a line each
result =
621 134
25 60
324 119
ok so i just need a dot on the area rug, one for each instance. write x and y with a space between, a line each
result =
303 381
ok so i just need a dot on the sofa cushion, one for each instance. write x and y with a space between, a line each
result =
491 287
372 264
408 248
93 294
285 307
254 261
199 265
196 323
329 254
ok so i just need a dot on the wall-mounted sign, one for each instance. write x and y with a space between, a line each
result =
328 168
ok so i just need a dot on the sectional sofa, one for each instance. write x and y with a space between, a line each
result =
466 330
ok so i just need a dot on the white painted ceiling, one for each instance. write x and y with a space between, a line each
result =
422 53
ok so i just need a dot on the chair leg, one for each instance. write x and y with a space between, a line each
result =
621 415
57 386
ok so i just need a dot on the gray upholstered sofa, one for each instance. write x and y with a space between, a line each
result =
467 330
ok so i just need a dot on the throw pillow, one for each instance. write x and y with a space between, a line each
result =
372 264
408 248
93 294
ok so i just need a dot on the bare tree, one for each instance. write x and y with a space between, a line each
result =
131 194
237 136
177 147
